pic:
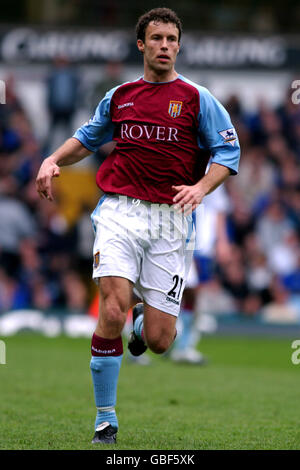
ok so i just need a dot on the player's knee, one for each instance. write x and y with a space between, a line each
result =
114 316
158 344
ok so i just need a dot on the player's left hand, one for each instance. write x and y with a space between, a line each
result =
187 198
47 171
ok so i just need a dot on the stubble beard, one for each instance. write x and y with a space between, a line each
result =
160 69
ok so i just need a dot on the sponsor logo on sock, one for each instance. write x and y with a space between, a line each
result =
106 347
103 351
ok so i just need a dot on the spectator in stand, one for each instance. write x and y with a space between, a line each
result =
291 200
259 276
282 257
16 225
273 226
13 294
63 89
75 292
292 280
257 176
281 308
292 283
289 114
112 76
233 276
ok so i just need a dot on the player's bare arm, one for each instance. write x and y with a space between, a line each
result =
192 196
72 151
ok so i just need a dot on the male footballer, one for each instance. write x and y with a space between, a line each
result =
166 128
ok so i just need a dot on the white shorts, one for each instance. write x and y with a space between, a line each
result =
149 244
192 279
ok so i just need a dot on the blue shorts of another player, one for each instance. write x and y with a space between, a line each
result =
205 267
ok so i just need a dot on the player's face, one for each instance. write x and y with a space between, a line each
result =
160 50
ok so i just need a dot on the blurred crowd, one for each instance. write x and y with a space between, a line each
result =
46 263
43 261
263 273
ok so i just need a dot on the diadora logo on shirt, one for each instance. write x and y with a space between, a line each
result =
125 105
175 108
229 136
144 131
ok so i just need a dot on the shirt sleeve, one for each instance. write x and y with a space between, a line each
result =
99 129
217 133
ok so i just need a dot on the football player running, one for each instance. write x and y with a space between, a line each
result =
166 128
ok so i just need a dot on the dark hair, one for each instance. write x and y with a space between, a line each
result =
157 14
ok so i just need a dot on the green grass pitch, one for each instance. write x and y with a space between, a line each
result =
247 397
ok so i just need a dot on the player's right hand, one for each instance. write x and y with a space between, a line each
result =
43 182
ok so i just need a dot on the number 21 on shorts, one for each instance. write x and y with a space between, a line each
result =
175 292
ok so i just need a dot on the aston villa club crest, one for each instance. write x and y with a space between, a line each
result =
175 108
96 259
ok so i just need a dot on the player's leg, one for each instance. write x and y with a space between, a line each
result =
165 265
184 349
159 329
107 351
187 316
152 328
135 356
185 346
185 324
117 264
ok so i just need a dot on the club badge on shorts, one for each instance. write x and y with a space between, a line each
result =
96 259
175 108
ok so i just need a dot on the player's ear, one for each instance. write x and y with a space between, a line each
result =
140 45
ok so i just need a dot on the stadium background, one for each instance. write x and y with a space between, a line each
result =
248 55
